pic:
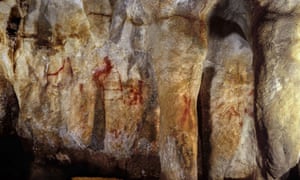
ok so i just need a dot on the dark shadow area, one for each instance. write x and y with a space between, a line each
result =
13 23
54 170
221 28
225 17
17 162
14 160
203 110
292 174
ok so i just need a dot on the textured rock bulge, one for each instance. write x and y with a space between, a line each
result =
169 89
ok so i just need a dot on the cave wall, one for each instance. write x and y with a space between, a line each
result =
170 89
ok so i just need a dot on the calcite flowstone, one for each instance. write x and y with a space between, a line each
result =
232 137
170 89
277 93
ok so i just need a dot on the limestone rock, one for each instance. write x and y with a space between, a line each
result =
170 89
278 97
231 117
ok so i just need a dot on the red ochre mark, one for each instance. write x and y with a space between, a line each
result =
249 112
186 111
232 112
251 93
135 95
81 87
58 71
101 73
220 105
241 123
116 133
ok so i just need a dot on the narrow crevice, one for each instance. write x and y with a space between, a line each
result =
99 14
258 65
203 109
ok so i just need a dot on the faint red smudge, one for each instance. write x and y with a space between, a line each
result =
233 111
186 111
136 94
251 93
116 133
58 71
241 123
249 112
220 105
101 73
81 87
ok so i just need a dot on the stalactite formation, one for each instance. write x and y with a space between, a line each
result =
150 89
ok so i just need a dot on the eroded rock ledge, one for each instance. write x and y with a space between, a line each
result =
170 89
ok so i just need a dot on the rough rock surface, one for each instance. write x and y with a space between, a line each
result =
170 89
277 89
232 137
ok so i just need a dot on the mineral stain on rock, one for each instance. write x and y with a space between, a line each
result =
58 71
186 111
109 88
135 94
100 73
